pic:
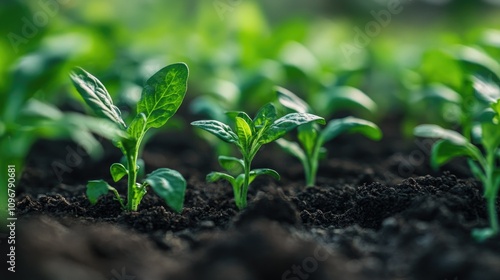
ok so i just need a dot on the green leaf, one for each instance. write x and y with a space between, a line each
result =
476 170
308 136
232 164
284 124
243 130
292 148
486 91
292 101
435 131
163 94
439 92
96 96
137 127
477 57
217 128
117 171
265 116
348 97
233 114
169 185
96 189
446 150
263 171
350 125
216 176
490 136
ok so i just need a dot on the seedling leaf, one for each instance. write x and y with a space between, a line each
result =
169 185
351 125
446 150
96 96
96 189
117 171
163 94
217 128
284 124
292 101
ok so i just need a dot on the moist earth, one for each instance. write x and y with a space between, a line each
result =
376 212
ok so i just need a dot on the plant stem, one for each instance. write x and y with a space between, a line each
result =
490 191
243 194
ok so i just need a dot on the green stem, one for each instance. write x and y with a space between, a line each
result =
246 182
311 168
490 191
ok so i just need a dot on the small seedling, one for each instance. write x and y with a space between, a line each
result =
482 162
250 135
160 99
312 138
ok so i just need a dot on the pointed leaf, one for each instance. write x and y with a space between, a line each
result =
446 150
348 97
96 96
163 94
265 116
233 114
292 101
137 127
435 131
232 164
96 189
263 171
308 136
350 125
219 129
284 124
117 171
292 148
216 176
243 130
169 185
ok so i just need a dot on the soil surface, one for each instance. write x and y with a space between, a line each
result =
377 212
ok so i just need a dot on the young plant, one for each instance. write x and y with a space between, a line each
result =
312 138
249 137
482 162
161 97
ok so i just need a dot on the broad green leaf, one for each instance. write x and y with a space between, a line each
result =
284 124
446 150
117 171
137 127
96 189
232 164
163 94
292 148
292 101
308 136
263 171
216 176
350 125
169 185
243 130
265 116
348 97
435 131
217 128
490 136
438 92
477 57
96 96
486 90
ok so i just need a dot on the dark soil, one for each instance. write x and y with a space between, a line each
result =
377 212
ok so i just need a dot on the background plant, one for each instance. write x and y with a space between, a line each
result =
161 98
482 151
312 138
249 137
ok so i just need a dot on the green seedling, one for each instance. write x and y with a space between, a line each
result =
482 151
161 98
249 136
311 138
